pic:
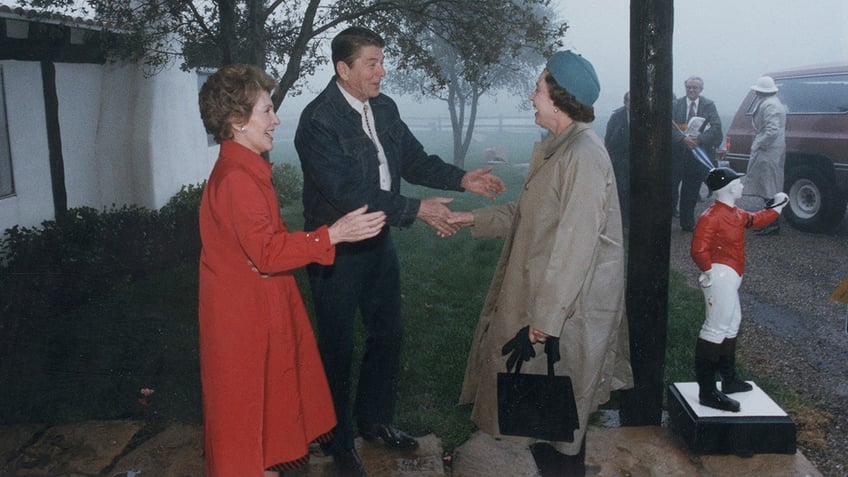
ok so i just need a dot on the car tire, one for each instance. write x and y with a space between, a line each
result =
815 203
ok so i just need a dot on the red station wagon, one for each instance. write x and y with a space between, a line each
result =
816 171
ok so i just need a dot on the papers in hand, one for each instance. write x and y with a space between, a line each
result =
693 128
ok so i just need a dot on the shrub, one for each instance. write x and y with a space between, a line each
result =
180 228
287 182
84 254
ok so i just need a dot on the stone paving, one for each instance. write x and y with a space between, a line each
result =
132 449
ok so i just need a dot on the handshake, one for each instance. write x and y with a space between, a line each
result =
435 213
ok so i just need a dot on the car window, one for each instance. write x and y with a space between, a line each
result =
814 94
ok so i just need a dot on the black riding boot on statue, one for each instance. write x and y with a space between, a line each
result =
727 369
706 365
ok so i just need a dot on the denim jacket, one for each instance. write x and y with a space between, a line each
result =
339 161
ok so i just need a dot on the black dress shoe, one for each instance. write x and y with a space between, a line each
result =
734 385
348 464
718 400
391 435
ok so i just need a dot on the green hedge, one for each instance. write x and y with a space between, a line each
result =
85 253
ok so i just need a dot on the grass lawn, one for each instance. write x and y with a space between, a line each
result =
92 363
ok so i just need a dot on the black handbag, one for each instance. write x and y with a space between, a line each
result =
536 405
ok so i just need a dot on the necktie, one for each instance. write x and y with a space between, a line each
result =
691 111
371 132
368 124
385 181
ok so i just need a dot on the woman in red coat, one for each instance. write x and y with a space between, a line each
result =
265 396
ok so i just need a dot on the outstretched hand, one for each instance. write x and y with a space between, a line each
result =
482 182
357 225
434 212
461 218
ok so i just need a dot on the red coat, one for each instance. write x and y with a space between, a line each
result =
719 236
265 395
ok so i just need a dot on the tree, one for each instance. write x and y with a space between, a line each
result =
282 36
472 49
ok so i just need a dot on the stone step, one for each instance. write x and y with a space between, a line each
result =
132 449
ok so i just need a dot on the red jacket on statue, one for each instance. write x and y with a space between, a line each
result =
719 235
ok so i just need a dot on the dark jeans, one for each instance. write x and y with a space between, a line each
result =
365 275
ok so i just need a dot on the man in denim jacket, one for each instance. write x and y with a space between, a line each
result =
354 149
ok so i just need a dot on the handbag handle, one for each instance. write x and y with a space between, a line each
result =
552 350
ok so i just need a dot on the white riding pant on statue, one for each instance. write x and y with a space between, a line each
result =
723 312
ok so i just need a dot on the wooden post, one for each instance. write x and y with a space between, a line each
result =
651 33
54 138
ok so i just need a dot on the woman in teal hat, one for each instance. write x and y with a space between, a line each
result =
561 272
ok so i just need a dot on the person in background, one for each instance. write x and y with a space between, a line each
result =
768 150
718 249
617 142
686 169
354 149
265 396
561 271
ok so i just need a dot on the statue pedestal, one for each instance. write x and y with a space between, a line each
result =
760 427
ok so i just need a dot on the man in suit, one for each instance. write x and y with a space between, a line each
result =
686 168
617 142
354 149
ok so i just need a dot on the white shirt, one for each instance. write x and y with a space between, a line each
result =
368 119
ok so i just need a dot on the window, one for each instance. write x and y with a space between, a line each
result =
7 186
814 94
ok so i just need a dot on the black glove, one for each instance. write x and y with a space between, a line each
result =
772 203
520 347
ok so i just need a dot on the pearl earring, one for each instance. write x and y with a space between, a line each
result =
556 110
242 129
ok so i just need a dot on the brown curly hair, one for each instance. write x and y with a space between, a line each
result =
229 95
567 102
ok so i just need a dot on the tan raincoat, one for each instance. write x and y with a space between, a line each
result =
768 150
561 271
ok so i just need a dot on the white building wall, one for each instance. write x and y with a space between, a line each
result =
32 202
116 125
78 88
169 145
127 139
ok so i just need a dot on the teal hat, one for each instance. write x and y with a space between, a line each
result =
576 75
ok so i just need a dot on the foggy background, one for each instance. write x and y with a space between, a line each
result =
728 43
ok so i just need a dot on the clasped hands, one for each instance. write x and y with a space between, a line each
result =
435 213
